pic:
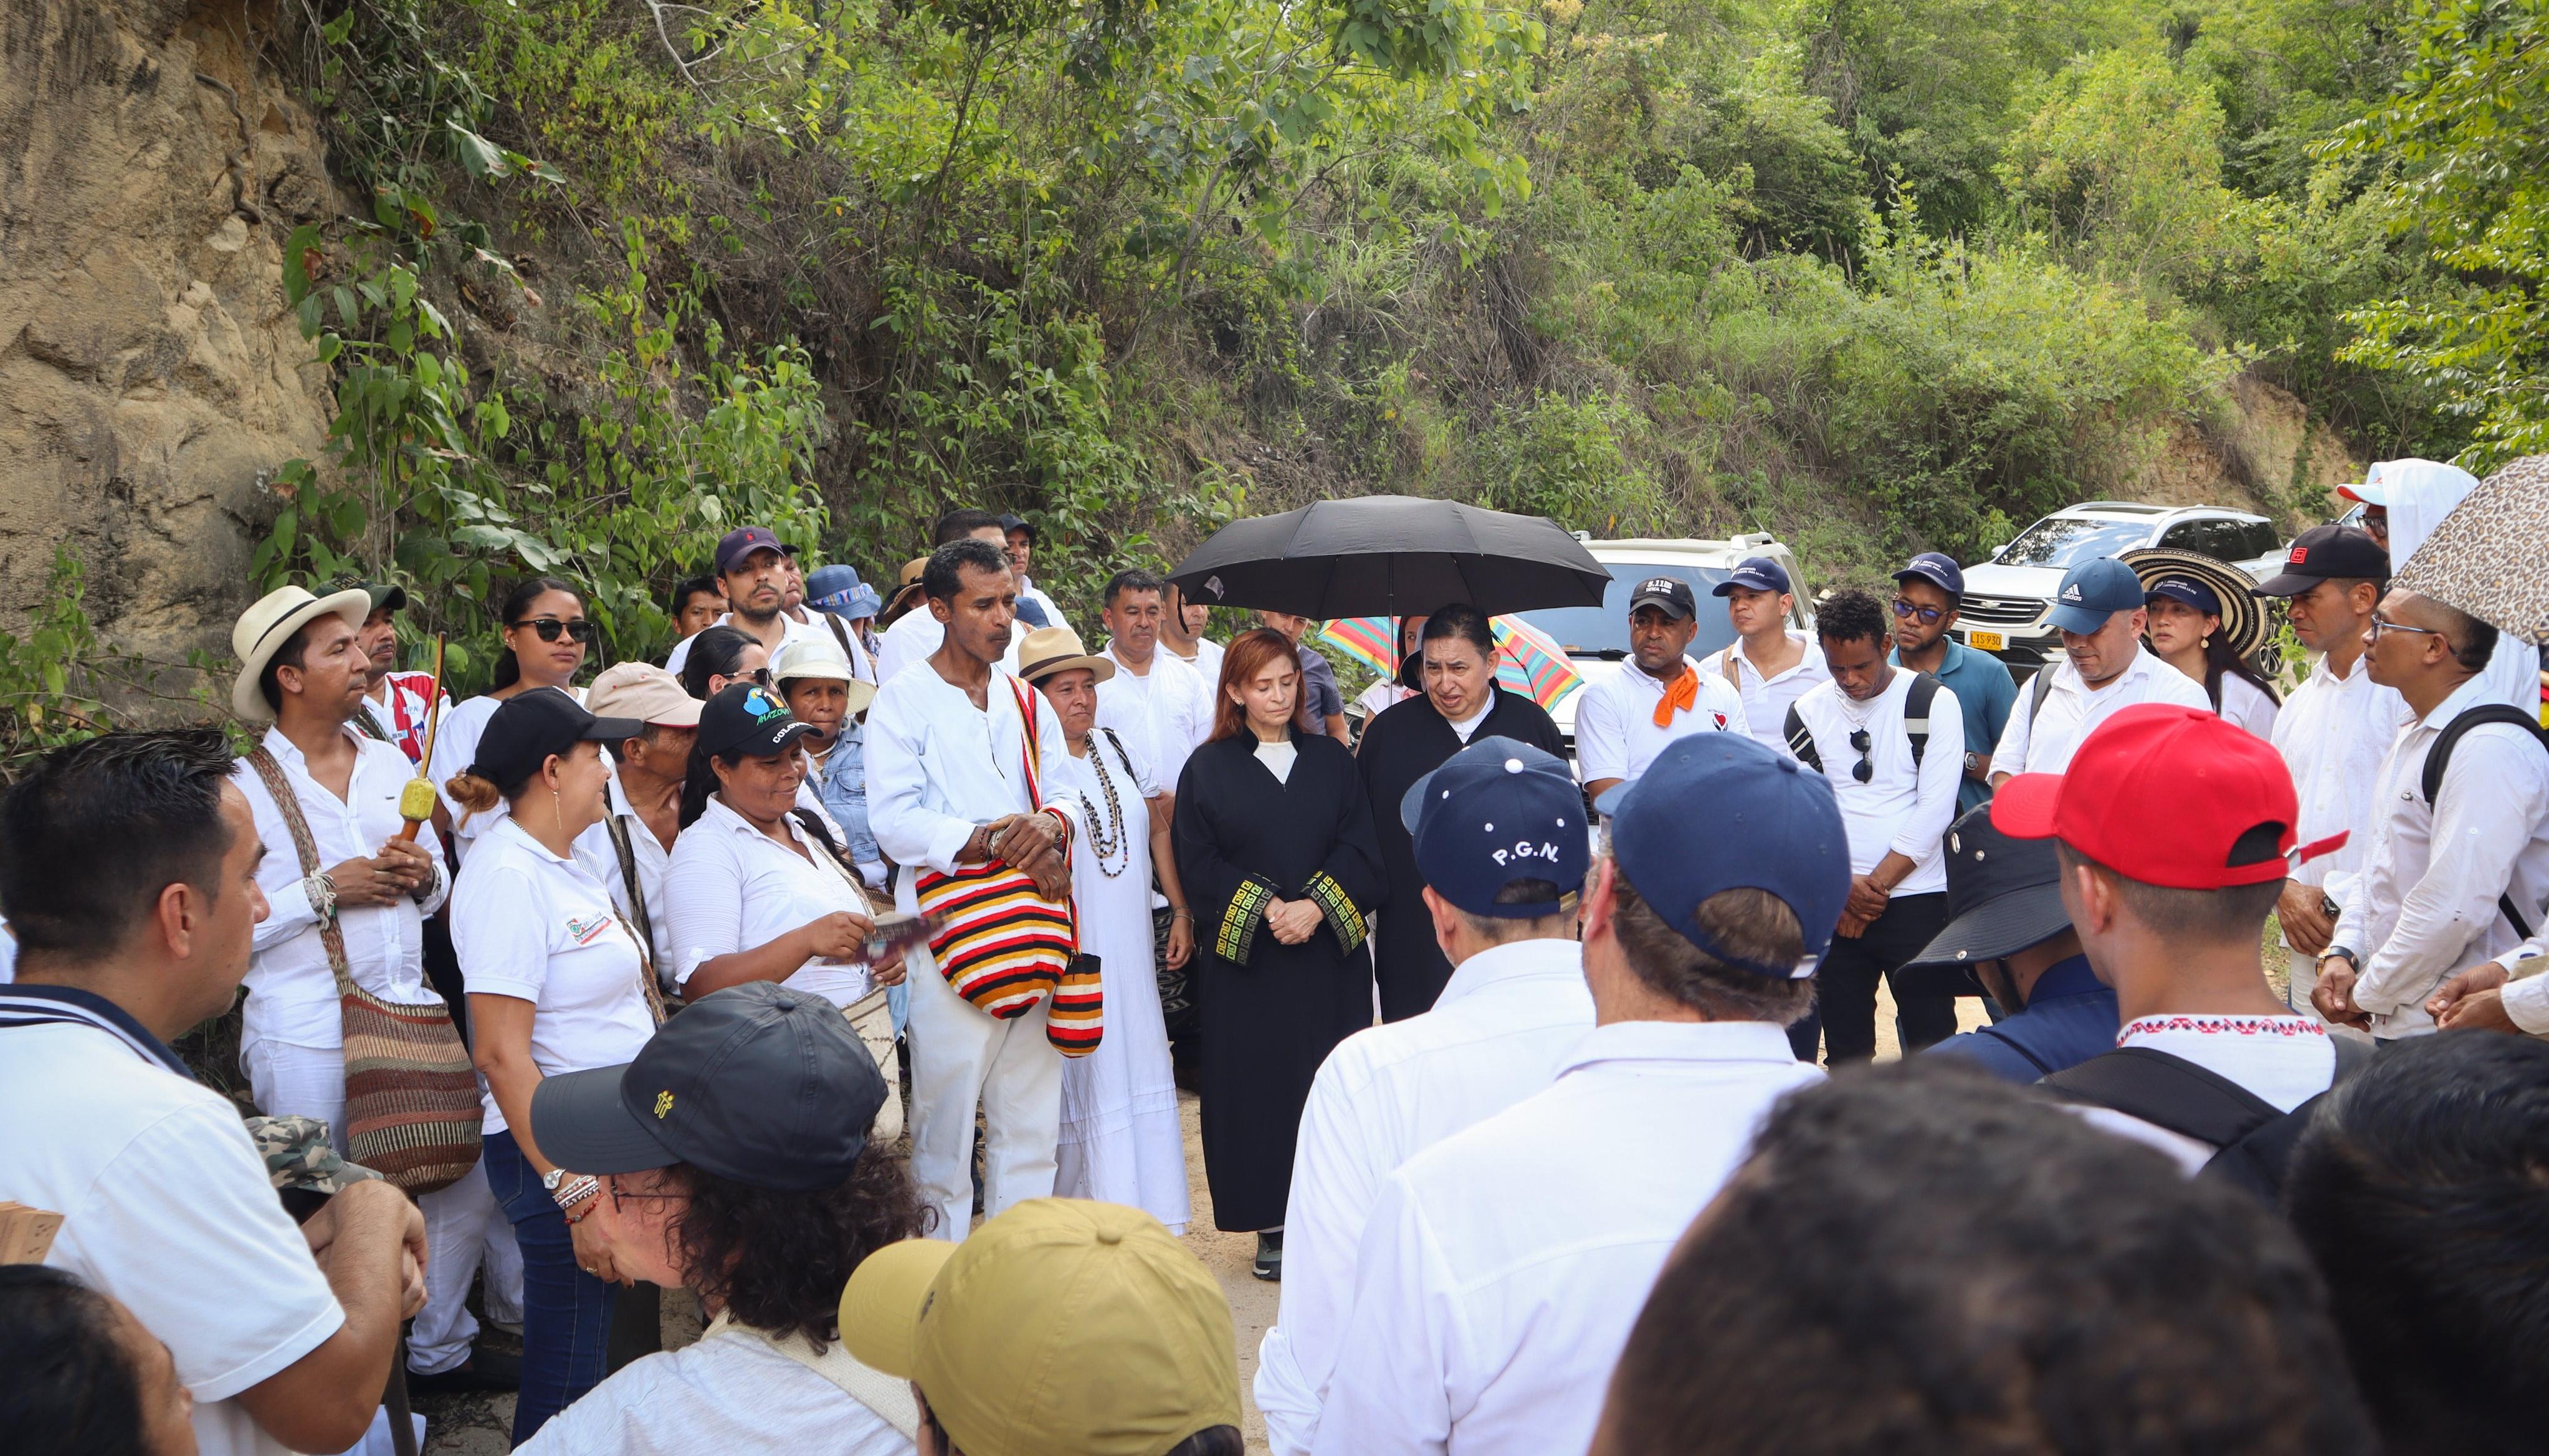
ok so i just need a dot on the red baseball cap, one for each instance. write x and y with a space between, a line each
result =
2167 795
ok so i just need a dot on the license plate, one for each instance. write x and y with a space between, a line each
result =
1986 641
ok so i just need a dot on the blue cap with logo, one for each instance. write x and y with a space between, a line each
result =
1937 567
1496 812
2093 591
750 719
1718 812
735 545
1754 572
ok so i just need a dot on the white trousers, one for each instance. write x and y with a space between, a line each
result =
463 1227
962 1056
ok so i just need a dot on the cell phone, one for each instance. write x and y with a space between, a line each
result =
897 933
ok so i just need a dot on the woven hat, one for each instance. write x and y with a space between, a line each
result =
820 658
2243 623
264 629
1051 650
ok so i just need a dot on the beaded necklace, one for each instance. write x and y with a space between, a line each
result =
1111 842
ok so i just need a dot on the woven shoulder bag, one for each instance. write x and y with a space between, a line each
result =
412 1109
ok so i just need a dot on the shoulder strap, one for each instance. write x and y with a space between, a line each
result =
1915 715
1122 758
833 854
1801 742
617 827
2038 691
370 726
332 935
1034 751
2166 1091
2439 758
1725 667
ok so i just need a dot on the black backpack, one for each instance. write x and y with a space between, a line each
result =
1916 725
2439 758
2252 1138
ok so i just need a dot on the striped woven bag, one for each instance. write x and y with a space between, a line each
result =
412 1109
1004 946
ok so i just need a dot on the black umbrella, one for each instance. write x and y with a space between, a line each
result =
1389 556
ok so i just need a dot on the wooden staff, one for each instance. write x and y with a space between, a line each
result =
416 800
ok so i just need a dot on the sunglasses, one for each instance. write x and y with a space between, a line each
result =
549 627
1905 606
1861 742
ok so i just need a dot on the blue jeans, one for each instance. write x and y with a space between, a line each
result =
566 1313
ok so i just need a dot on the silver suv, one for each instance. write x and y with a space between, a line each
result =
2008 596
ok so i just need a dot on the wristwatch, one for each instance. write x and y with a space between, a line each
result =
550 1180
1974 760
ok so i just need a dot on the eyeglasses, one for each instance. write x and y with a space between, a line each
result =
1905 606
2381 624
1861 742
2378 526
549 627
619 1195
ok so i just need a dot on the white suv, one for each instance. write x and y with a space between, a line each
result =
1596 638
2008 596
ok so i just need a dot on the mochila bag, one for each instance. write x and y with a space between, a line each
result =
412 1109
1002 944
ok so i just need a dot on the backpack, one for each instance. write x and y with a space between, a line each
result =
2252 1138
2038 690
2439 758
1916 725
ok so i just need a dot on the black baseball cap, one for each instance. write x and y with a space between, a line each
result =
2003 895
1937 567
1755 574
741 542
757 1083
1019 523
383 595
528 727
1498 811
1669 593
2322 551
750 719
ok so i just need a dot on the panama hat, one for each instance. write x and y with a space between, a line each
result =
1051 650
2243 623
262 629
820 658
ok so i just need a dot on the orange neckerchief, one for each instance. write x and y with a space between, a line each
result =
1681 695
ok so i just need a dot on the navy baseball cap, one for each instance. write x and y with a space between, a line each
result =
1019 523
1754 572
1498 811
2186 589
1669 593
2093 591
1720 811
741 542
750 719
757 1083
2322 551
1938 569
527 728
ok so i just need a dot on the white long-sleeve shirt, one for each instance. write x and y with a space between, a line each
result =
2043 741
1498 1033
938 766
916 634
1616 736
2526 995
1502 1267
1165 713
292 994
2334 733
2425 906
1894 810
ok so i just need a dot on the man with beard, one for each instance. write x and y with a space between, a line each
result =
758 575
1460 702
398 705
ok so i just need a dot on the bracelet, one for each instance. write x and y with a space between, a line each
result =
578 1213
1179 912
321 890
576 1191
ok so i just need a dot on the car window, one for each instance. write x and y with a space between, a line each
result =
2062 541
2261 538
1603 631
2221 538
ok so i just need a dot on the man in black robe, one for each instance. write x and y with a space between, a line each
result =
1459 702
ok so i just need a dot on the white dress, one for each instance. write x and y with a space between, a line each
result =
1120 1138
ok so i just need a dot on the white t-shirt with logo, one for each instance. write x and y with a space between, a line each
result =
529 924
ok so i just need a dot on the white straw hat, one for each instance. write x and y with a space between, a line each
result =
262 629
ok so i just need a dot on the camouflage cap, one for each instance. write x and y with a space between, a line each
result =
298 1155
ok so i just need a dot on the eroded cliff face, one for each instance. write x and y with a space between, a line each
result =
151 375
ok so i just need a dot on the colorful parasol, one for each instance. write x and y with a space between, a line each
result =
1529 662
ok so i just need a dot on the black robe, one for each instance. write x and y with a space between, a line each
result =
1408 741
1271 1013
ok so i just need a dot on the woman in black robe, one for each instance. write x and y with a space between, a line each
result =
1275 843
1410 740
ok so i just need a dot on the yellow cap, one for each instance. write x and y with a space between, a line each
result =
1061 1325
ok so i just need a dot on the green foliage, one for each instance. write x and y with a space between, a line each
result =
49 673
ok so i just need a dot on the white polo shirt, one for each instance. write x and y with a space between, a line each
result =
1503 1266
2334 733
165 1202
1616 736
732 888
1166 714
1767 699
2285 1060
1894 811
2246 705
2042 741
599 857
535 926
1504 1022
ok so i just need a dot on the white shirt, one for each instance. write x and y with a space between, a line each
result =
2244 704
791 632
1380 696
733 888
938 766
1206 661
1616 736
916 634
728 1393
2425 906
2526 995
1164 715
455 745
1498 1033
2043 742
1767 699
292 994
2286 1060
165 1206
2334 732
528 924
1028 590
1463 727
1502 1267
599 857
1893 811
1278 757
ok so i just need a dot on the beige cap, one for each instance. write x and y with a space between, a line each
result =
1061 1325
820 659
1051 650
264 629
643 692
